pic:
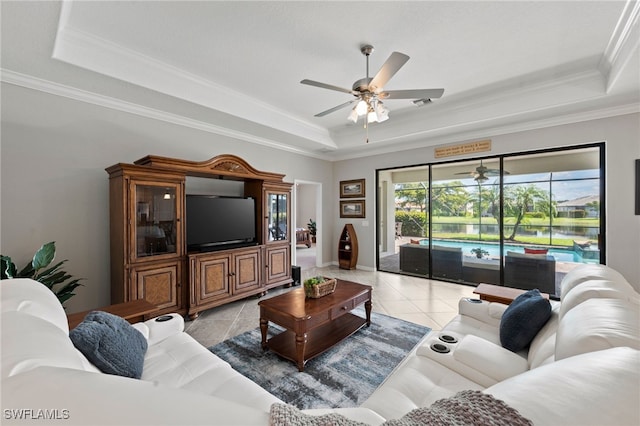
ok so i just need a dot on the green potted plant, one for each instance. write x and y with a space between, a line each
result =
312 227
479 252
37 270
319 286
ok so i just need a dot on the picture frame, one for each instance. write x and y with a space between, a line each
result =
352 188
638 187
352 209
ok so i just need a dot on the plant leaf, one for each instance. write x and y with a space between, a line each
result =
54 279
44 256
51 269
8 268
26 272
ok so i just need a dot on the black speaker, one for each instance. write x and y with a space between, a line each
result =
296 274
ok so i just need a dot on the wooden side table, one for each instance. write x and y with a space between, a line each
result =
133 311
500 294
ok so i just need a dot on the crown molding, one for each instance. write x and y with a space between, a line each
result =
450 135
624 41
57 89
96 54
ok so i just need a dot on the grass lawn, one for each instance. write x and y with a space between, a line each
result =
524 239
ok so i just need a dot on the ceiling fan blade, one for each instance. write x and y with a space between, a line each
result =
329 111
412 94
466 173
495 172
328 86
388 70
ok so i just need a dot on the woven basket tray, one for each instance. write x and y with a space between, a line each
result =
319 290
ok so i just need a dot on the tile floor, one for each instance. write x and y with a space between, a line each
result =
427 302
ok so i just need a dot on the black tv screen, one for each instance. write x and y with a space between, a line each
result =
217 222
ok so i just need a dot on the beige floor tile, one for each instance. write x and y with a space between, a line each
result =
442 318
421 301
433 305
399 307
419 318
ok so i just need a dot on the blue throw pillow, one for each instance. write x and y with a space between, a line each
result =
111 344
523 319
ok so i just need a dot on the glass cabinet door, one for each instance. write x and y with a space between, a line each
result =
277 210
156 219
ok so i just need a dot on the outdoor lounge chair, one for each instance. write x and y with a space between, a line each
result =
529 271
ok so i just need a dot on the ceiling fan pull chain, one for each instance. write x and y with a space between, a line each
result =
367 129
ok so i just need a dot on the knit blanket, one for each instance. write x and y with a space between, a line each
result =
463 409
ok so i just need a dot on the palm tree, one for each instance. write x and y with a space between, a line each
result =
519 200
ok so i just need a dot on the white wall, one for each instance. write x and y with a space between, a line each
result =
305 204
622 137
54 186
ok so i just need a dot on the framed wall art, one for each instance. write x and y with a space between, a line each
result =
352 209
638 187
352 188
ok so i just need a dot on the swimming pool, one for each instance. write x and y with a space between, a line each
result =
560 254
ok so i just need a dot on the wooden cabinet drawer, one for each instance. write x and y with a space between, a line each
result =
362 298
344 308
317 319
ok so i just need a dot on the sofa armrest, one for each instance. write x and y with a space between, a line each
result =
160 330
487 312
493 360
85 398
477 359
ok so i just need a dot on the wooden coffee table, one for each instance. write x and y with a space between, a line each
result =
313 325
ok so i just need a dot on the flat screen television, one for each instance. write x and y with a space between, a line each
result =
216 223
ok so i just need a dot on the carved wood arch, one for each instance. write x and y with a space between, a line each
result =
226 165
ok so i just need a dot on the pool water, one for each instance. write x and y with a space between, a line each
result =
560 254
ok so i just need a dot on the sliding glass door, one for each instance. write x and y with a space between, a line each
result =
551 216
520 220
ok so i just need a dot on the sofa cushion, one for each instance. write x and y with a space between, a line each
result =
598 388
447 248
105 399
417 382
522 320
597 289
29 342
111 344
519 255
535 251
598 324
542 349
585 273
35 299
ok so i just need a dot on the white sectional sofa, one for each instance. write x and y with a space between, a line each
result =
582 368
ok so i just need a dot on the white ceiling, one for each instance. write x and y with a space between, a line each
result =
234 67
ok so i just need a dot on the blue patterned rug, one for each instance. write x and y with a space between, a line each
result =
343 376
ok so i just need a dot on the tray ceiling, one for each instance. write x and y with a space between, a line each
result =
234 68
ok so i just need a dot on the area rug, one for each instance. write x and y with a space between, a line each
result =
343 376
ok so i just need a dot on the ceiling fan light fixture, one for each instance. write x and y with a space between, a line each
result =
362 107
481 178
382 114
369 91
353 116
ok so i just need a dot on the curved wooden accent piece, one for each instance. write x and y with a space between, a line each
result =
222 165
348 248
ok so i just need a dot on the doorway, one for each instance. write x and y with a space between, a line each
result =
307 244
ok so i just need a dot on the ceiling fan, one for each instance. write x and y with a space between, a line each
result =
369 91
481 172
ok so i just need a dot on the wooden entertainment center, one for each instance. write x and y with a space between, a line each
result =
149 257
